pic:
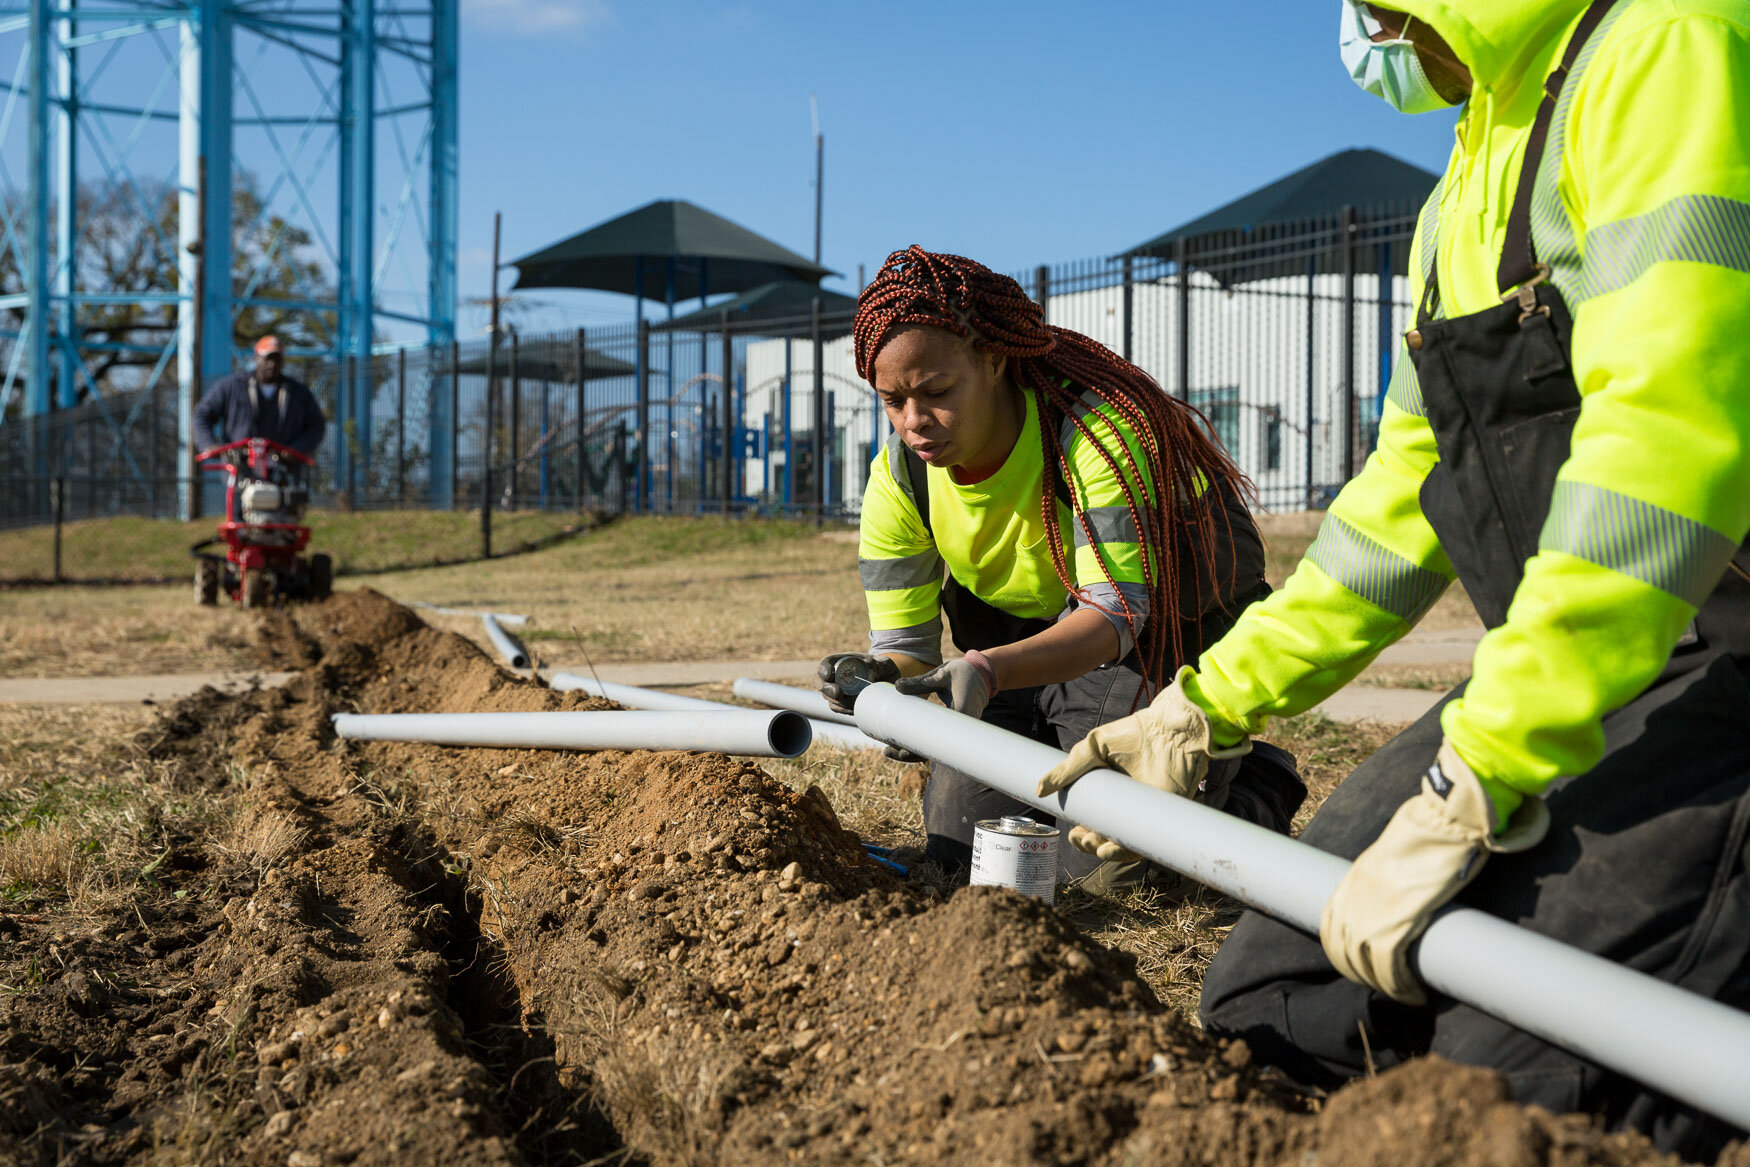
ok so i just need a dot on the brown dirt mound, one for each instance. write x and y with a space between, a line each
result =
489 956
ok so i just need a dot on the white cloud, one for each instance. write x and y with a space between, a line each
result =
537 17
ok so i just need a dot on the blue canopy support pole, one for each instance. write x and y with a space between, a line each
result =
441 249
668 399
789 441
217 325
188 259
36 273
66 218
644 476
357 217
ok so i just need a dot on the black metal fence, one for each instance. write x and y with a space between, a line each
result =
1283 338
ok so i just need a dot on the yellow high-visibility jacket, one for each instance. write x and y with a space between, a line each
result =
1646 225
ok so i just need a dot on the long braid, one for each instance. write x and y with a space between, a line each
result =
1062 368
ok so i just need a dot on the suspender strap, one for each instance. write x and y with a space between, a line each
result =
1519 263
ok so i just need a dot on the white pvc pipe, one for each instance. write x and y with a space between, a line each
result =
781 733
509 619
634 697
514 654
808 701
1673 1040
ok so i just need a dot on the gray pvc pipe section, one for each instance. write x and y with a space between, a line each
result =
1673 1040
807 701
634 697
780 733
513 653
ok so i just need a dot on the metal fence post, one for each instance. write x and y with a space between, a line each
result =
1184 306
455 422
643 434
620 466
1042 291
1348 343
1129 306
582 398
515 481
60 489
401 427
819 483
1312 304
486 453
731 463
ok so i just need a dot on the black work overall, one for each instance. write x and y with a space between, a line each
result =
1646 859
1264 787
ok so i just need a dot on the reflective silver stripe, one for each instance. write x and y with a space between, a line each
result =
1688 229
1429 234
1110 524
1377 574
1067 431
896 575
1405 390
1105 598
1640 540
921 642
1552 231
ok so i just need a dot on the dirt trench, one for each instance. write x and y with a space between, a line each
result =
500 956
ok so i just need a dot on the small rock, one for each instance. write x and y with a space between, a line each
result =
279 1126
566 895
1237 1054
385 1017
341 1049
273 1053
824 1052
334 1025
303 1159
792 871
1020 958
506 771
1069 1041
1225 1090
422 1070
777 1051
1075 958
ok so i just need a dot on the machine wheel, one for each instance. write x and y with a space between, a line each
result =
321 577
257 587
206 582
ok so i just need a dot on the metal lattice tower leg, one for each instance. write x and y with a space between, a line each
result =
241 144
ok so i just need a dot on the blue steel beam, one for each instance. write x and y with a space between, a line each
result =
66 216
36 274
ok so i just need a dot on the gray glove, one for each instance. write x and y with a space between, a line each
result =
961 684
867 667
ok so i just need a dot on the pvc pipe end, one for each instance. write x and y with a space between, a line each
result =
790 734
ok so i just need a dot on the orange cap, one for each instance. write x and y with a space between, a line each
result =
269 344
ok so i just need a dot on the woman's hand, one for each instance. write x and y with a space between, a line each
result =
867 667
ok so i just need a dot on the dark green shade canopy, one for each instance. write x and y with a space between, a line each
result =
548 360
1367 180
788 303
711 253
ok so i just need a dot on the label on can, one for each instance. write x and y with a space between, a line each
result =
1016 852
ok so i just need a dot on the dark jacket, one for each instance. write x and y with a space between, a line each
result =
236 404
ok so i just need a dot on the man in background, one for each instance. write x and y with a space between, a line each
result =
261 403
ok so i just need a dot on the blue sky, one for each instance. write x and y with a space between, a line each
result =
1016 133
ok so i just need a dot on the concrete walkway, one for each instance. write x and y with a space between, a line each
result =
128 690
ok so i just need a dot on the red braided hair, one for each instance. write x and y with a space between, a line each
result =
1182 460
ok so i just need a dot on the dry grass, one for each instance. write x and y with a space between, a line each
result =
95 632
262 839
84 823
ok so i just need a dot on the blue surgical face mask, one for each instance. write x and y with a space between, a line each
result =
1389 69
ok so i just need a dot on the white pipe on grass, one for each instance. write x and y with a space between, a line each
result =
1675 1041
514 654
781 733
634 697
509 619
808 701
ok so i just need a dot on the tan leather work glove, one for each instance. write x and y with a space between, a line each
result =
1167 745
1433 846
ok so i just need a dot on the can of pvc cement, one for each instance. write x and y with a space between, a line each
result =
1014 851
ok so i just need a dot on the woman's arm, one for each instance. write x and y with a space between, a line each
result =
1076 644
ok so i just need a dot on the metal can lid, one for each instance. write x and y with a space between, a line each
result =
1014 824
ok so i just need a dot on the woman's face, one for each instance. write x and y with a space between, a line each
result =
943 397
